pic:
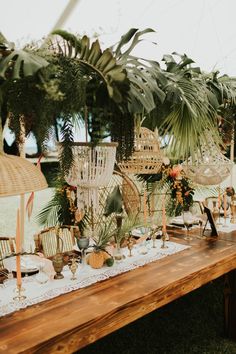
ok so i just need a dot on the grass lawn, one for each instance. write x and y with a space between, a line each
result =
192 324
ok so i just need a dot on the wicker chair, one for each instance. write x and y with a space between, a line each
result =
7 246
46 240
130 196
197 207
210 202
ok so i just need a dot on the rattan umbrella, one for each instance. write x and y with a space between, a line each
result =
19 176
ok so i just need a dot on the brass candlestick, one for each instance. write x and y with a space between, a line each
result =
225 225
130 246
219 222
201 236
154 236
233 213
19 290
164 240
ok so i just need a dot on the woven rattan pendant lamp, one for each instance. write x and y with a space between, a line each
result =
19 176
147 157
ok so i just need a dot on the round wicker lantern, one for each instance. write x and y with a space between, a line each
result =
147 157
19 176
208 167
92 168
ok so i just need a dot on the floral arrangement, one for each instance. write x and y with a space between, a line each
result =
181 190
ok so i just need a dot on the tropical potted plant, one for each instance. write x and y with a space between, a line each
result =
99 256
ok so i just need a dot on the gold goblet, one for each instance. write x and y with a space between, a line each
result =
73 265
233 212
130 245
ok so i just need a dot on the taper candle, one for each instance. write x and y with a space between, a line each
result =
219 199
225 205
18 250
163 215
145 207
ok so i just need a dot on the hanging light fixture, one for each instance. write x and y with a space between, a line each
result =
147 157
92 168
19 176
208 166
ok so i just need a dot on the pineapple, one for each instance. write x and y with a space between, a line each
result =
99 256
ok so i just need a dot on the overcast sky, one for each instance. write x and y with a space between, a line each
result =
205 29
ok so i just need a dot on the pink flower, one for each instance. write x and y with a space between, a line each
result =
176 171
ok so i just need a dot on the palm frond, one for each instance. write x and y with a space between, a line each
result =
103 63
190 118
73 42
48 216
129 223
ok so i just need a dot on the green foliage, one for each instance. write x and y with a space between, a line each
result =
142 74
58 209
128 224
98 63
103 235
114 202
66 154
188 110
178 188
44 98
20 63
107 88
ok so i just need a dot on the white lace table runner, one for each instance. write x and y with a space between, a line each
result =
36 292
225 226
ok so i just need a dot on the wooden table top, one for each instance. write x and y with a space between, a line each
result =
73 320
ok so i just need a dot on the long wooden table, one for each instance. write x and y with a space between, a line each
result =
73 320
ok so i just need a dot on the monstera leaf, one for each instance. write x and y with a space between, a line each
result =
142 73
20 63
114 202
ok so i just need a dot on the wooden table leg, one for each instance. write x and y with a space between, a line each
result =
230 305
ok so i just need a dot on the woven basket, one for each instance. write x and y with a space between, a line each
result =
147 157
19 176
